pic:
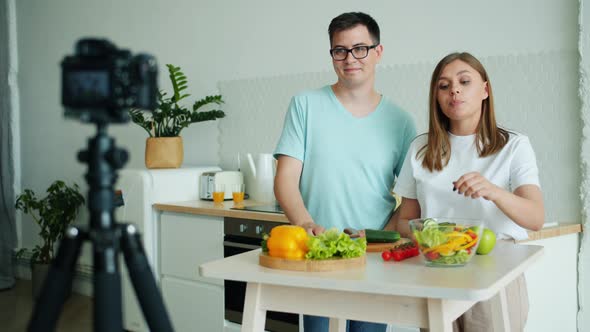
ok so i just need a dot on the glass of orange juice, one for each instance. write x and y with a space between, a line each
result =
238 193
219 193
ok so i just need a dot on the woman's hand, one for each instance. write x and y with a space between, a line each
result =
474 185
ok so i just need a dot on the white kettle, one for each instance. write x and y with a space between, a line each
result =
260 177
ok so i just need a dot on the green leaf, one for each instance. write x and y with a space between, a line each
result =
334 243
170 117
53 214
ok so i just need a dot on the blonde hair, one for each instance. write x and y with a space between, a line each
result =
489 137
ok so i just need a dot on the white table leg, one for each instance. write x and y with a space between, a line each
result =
254 317
500 318
337 325
438 321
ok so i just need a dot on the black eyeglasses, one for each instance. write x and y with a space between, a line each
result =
358 52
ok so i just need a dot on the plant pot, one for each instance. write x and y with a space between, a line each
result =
164 152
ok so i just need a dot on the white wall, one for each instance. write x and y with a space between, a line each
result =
519 83
584 262
220 40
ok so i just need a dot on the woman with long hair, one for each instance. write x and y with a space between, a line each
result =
466 166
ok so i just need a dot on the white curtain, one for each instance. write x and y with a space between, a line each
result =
8 93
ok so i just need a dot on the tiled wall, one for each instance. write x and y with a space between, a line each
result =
535 94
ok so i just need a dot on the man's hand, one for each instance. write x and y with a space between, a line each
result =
313 228
353 233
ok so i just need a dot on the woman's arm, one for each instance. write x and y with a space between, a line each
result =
524 206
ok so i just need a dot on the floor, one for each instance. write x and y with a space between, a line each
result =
16 306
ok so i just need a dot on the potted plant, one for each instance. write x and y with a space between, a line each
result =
53 213
164 144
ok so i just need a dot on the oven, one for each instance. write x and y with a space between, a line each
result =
242 235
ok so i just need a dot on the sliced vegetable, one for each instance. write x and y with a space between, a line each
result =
447 245
429 222
430 237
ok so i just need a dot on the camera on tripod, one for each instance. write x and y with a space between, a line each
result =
100 82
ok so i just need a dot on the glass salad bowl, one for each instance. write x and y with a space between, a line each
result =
447 242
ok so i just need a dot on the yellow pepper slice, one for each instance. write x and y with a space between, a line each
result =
457 241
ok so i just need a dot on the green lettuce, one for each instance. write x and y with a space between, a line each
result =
460 257
430 237
334 243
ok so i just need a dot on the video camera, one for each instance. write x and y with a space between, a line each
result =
100 82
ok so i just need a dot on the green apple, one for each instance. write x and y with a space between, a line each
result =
486 242
475 229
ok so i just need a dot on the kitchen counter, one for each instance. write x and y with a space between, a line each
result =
208 208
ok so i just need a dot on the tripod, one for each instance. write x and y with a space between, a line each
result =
107 238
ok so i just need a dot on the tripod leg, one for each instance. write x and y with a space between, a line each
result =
107 281
56 284
144 284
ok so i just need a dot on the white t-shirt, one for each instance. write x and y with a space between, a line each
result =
513 166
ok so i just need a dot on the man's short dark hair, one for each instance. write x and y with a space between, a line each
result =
350 20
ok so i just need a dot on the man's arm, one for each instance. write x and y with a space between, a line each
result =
287 192
408 210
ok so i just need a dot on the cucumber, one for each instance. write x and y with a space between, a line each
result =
380 236
428 222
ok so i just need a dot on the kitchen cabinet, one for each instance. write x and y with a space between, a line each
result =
552 284
187 241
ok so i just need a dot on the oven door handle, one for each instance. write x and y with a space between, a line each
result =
240 245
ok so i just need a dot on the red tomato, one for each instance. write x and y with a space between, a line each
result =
432 255
386 255
397 255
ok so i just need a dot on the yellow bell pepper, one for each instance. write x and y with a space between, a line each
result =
457 240
287 241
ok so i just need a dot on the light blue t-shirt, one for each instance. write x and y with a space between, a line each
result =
349 164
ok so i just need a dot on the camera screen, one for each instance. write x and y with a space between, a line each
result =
87 86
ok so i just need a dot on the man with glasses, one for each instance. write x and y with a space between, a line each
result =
343 145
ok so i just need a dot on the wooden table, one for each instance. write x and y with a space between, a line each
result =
406 293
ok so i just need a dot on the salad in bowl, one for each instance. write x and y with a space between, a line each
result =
447 241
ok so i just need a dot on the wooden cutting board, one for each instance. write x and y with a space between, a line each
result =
379 247
311 265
